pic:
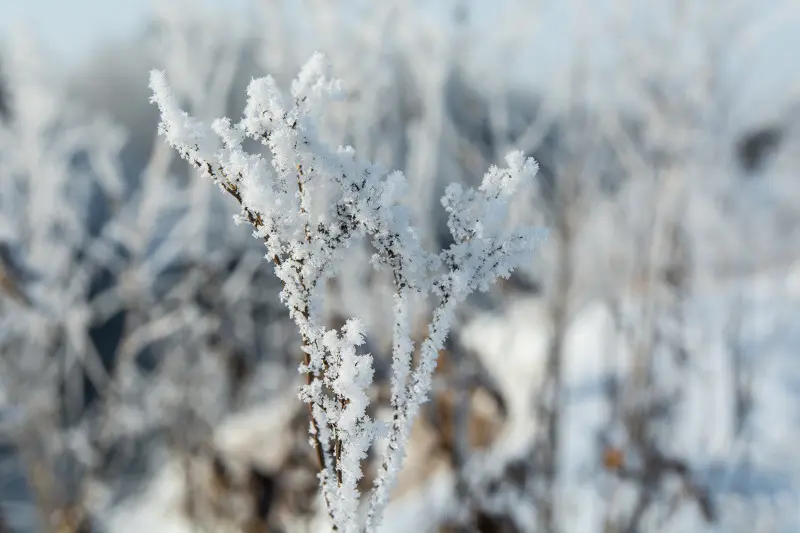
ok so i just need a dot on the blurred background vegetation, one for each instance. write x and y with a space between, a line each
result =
639 377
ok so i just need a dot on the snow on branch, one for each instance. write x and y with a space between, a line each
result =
309 203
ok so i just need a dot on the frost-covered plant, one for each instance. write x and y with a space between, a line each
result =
309 203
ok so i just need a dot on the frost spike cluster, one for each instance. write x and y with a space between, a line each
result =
308 203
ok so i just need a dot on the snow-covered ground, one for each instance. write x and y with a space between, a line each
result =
755 476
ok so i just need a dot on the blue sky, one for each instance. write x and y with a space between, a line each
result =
73 27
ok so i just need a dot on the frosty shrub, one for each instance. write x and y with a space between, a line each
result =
309 203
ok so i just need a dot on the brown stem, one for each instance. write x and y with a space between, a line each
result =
337 455
257 221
